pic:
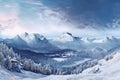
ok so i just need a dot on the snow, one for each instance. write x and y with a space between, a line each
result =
60 59
111 66
65 37
29 38
77 63
34 42
85 39
112 73
25 75
104 40
6 75
108 70
38 43
68 41
98 41
105 70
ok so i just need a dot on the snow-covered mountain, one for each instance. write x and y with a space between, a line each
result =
68 41
38 43
66 37
105 39
33 42
31 38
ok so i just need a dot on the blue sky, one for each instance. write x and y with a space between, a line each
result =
53 17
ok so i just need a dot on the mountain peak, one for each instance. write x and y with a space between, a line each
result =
65 37
31 37
110 38
25 34
67 33
85 39
39 37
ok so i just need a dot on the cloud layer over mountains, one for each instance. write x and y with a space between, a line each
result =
56 16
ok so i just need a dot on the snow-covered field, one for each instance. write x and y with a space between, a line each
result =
5 75
59 59
77 63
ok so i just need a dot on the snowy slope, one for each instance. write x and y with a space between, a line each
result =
109 67
6 75
25 75
108 70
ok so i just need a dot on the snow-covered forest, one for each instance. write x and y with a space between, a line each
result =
13 62
12 67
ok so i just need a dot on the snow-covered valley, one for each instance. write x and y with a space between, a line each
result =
108 70
74 58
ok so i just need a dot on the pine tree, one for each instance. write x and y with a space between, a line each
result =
8 63
1 58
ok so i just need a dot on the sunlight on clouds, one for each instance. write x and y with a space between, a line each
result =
46 21
32 16
13 32
8 16
38 18
8 21
38 3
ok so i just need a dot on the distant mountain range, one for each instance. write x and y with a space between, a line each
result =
33 42
38 43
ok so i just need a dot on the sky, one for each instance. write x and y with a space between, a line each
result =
53 17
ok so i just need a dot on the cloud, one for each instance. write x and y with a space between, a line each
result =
88 13
11 33
9 20
33 16
43 19
38 3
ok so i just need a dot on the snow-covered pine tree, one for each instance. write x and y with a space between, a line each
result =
8 63
1 58
8 57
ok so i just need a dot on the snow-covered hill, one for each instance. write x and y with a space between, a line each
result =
109 65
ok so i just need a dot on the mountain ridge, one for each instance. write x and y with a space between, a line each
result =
39 43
